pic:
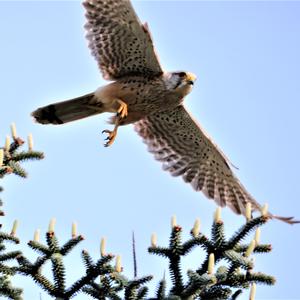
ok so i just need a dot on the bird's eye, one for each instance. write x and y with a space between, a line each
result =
181 74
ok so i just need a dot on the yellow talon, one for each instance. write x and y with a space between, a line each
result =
110 137
121 113
123 109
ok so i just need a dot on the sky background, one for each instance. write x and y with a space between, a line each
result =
247 97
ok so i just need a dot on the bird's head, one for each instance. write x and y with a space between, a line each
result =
181 81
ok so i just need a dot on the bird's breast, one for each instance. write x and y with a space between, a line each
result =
143 97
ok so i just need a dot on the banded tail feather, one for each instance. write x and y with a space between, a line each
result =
67 111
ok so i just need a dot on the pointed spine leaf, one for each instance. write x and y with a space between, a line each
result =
58 270
237 259
245 230
71 244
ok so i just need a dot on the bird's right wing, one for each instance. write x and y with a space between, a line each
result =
185 150
121 44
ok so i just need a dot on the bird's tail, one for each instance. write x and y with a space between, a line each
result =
67 111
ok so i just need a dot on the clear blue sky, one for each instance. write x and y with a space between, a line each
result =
247 96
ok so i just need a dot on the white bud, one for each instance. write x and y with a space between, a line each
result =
103 246
153 240
264 210
217 216
118 264
30 142
257 236
1 157
36 236
250 248
252 291
7 143
173 221
52 225
14 228
248 211
211 264
13 130
74 230
196 228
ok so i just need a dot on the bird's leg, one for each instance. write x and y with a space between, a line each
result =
111 135
123 109
121 114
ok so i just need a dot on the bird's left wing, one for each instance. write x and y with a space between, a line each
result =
185 150
121 44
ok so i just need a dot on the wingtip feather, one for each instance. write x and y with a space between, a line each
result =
288 220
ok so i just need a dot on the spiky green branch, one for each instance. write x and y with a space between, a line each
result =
102 280
203 283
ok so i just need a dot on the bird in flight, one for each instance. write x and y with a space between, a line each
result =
143 94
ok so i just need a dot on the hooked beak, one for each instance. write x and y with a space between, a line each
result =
190 78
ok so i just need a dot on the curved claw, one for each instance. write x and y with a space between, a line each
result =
110 138
122 113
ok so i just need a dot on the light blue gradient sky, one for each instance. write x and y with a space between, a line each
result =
246 56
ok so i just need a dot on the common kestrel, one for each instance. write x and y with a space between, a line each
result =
143 94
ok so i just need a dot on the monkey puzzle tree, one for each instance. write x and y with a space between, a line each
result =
104 279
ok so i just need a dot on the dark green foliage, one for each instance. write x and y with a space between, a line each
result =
161 290
13 158
11 164
7 290
6 287
102 280
1 203
111 285
228 280
55 254
111 281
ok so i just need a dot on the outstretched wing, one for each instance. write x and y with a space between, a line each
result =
185 150
118 40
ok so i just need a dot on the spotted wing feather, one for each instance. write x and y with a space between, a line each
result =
118 40
185 150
